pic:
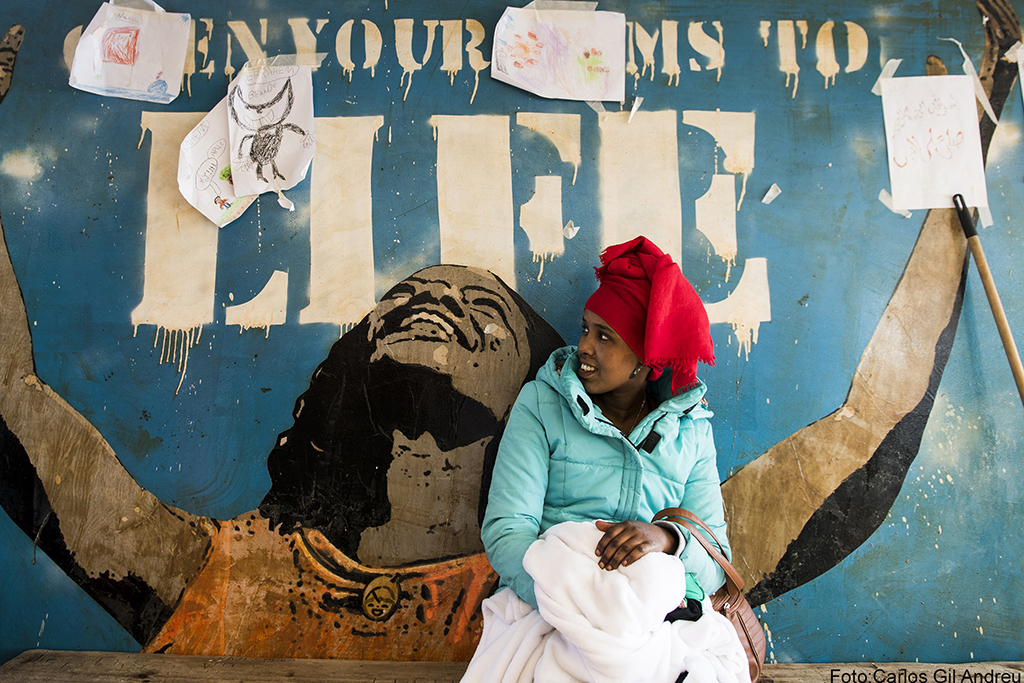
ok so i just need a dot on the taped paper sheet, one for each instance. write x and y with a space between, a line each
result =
933 140
204 169
132 53
257 139
560 53
888 71
979 89
1016 54
886 199
271 127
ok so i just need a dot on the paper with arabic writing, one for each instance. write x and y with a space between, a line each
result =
933 141
562 54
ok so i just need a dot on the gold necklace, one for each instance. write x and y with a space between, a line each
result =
636 420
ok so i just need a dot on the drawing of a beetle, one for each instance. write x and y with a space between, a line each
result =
266 137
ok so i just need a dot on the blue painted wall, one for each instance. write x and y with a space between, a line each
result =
936 582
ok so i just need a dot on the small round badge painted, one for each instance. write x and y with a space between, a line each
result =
380 598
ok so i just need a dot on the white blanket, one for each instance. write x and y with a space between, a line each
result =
600 626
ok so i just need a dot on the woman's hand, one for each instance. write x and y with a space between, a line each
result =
626 542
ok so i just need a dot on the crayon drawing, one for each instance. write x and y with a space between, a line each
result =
562 54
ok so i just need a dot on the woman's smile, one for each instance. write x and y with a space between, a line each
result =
606 361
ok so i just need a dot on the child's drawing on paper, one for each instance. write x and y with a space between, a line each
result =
267 126
121 46
592 67
132 53
204 169
271 127
562 54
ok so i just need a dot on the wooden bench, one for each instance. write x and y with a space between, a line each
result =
51 666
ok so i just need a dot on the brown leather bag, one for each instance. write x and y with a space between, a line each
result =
728 600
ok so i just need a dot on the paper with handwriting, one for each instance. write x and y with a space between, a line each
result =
933 141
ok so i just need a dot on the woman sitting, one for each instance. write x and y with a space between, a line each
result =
612 431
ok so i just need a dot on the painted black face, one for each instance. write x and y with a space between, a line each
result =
461 322
438 362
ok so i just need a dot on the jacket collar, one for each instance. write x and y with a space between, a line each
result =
560 374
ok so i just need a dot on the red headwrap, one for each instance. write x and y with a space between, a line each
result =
647 301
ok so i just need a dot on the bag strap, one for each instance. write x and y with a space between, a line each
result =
692 522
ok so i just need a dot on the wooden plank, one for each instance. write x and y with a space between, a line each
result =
47 666
894 672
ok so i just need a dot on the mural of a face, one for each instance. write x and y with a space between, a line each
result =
461 322
393 442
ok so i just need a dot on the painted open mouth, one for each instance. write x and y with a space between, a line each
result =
426 321
425 324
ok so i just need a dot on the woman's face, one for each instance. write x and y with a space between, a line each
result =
606 361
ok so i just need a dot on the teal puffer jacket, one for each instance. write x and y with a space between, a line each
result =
561 460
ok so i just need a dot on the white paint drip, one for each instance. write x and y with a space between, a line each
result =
670 50
174 347
825 50
180 264
646 43
631 67
209 66
734 135
229 70
343 48
563 130
267 308
787 53
451 38
403 49
374 42
747 307
541 220
716 218
707 46
765 31
476 58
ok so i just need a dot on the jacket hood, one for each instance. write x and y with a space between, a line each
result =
560 374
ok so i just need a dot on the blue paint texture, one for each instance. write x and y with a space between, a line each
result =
937 582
